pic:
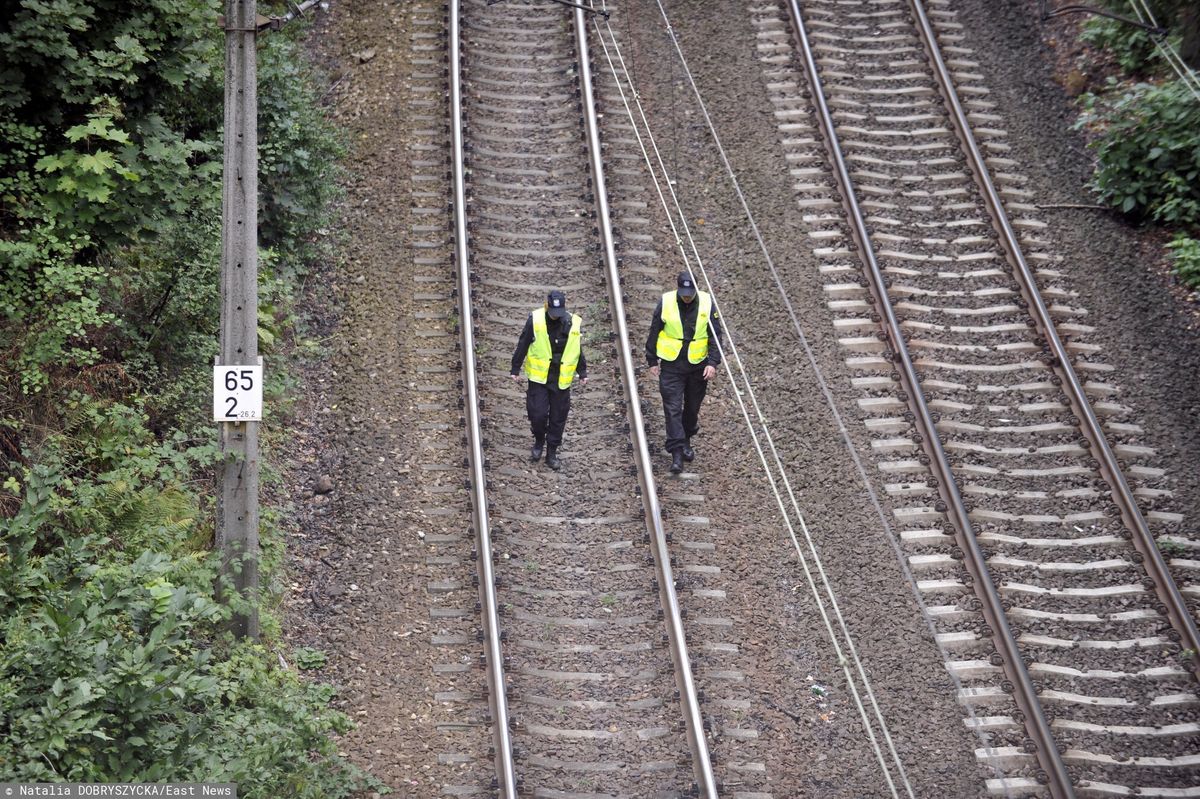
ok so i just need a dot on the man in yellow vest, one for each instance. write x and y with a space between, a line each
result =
550 351
683 351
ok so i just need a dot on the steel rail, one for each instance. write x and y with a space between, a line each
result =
506 780
1053 770
685 683
1172 603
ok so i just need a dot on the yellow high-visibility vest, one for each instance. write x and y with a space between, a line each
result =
537 359
670 338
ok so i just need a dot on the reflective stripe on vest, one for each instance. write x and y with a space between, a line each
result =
670 338
537 359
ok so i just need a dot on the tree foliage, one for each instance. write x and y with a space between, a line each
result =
113 112
1134 47
113 666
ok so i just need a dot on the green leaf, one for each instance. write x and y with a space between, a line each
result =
97 194
98 162
127 44
49 163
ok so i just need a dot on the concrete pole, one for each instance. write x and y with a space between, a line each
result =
237 509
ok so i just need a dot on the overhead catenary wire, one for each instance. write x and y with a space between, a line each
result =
844 660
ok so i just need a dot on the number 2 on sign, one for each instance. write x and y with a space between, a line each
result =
237 393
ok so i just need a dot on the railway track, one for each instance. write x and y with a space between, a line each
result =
1093 695
1043 576
589 681
461 725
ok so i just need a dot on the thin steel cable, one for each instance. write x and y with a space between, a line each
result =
1167 50
822 382
762 422
1181 69
804 526
799 514
804 563
865 480
1149 14
1185 73
705 782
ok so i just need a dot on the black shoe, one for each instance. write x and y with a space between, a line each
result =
677 461
552 459
689 454
535 454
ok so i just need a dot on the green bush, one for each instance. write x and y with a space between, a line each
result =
102 680
1132 47
298 152
1185 258
112 664
308 658
112 680
1148 152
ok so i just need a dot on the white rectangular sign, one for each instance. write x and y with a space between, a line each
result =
237 393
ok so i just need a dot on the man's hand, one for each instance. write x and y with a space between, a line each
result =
710 372
516 378
583 380
653 370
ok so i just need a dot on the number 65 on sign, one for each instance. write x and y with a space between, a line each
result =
237 393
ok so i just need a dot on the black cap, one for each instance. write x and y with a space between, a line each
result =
556 305
686 285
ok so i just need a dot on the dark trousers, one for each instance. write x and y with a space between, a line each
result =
548 409
682 392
